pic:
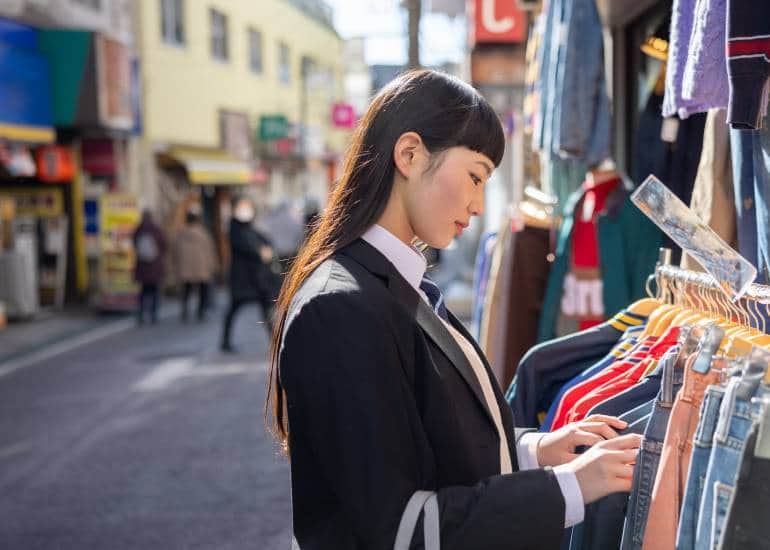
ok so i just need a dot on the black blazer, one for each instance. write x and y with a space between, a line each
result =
382 402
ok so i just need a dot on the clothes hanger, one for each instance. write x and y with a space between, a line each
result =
662 295
762 339
646 306
663 323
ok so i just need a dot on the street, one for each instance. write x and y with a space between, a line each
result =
150 438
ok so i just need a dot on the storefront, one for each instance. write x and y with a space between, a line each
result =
33 194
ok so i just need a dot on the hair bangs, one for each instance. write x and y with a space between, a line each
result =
483 132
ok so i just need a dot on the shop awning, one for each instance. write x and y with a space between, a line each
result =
211 166
27 134
25 90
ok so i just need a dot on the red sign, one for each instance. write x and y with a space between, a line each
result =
498 21
54 164
343 115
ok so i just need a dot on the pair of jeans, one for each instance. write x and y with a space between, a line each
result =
148 302
203 298
735 419
602 526
701 451
648 459
746 525
668 490
751 178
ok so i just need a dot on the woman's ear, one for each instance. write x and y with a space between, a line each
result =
407 153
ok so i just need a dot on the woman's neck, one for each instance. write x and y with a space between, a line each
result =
395 220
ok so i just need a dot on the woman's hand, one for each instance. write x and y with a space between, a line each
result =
607 467
559 447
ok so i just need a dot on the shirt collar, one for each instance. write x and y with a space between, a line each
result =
407 260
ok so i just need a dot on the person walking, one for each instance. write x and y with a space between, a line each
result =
150 248
195 261
382 399
252 279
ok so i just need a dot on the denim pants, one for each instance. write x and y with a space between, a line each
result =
746 525
701 451
602 526
735 419
751 178
668 489
649 456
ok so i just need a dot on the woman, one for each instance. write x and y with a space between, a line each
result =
378 391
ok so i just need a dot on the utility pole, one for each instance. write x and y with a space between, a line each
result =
414 8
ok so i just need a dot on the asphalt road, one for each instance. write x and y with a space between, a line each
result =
146 439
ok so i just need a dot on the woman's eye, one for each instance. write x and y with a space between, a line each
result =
476 180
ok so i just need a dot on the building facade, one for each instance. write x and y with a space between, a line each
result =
237 98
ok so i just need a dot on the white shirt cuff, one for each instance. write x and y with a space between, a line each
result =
574 506
526 450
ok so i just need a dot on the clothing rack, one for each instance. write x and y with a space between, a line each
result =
705 282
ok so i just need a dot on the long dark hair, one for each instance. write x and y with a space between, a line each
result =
445 112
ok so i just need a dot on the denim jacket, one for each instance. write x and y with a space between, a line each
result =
582 109
573 118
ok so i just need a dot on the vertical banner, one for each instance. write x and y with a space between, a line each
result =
118 218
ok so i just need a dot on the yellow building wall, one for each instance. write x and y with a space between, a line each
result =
185 87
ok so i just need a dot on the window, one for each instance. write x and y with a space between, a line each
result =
255 50
172 21
284 64
219 35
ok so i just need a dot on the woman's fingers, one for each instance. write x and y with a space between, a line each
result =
622 442
586 438
599 428
612 421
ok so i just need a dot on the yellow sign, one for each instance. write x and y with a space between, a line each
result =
118 218
41 202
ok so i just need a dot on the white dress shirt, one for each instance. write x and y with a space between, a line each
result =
411 264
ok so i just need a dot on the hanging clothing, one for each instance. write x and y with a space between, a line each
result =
481 279
573 116
626 344
682 12
524 299
628 249
582 296
748 62
713 195
546 367
704 79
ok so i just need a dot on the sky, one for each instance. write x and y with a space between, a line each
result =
383 23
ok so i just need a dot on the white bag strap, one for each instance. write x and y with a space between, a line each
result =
431 529
409 519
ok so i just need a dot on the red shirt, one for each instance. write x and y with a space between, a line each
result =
623 380
576 393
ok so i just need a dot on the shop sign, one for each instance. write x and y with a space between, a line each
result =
113 69
498 21
286 146
234 131
43 202
118 219
55 164
272 127
98 157
343 116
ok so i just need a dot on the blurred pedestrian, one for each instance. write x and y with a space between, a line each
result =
252 278
150 247
196 263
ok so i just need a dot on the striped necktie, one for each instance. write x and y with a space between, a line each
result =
435 297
